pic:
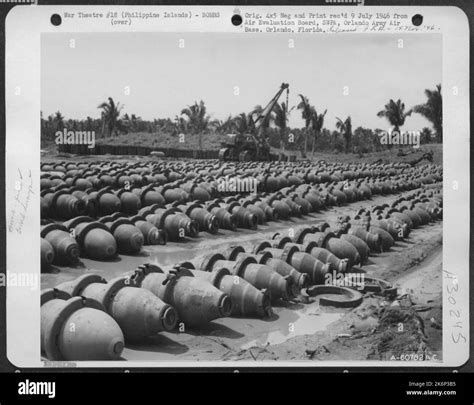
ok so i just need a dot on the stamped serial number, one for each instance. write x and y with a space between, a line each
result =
414 357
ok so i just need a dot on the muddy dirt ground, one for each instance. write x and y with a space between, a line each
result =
378 329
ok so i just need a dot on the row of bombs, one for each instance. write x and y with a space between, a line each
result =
102 239
154 225
214 166
394 222
64 244
204 187
149 300
65 202
277 175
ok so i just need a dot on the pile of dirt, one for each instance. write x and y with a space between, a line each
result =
400 332
380 329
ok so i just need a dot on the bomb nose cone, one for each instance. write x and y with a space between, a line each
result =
213 225
115 348
162 237
154 236
376 241
343 265
225 305
192 228
169 318
303 281
70 251
292 290
136 241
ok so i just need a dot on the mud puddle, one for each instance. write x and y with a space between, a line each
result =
308 323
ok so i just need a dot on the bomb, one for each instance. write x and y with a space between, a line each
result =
77 329
226 219
47 254
138 312
301 261
94 238
66 250
128 237
321 254
196 301
259 275
151 234
130 203
176 224
62 204
373 240
247 301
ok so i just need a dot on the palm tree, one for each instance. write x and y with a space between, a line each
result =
137 123
197 119
432 110
111 117
133 123
426 135
72 124
89 124
243 124
49 127
215 125
307 112
223 126
281 120
317 124
163 124
181 124
345 129
58 121
395 114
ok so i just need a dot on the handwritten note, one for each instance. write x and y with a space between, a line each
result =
22 198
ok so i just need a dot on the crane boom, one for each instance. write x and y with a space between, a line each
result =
268 109
258 137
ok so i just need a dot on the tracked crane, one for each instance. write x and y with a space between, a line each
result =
252 146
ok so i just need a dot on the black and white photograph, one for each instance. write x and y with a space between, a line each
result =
232 197
236 191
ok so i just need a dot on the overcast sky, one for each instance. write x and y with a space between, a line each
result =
164 78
